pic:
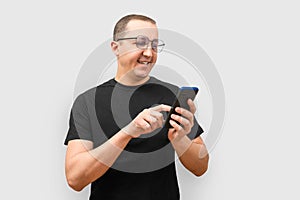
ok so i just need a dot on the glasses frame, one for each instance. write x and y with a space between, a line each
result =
148 41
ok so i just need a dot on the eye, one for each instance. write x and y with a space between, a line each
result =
142 41
154 44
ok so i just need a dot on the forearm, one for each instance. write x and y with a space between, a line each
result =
84 164
192 154
88 166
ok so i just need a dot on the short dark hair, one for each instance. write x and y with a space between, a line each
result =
122 23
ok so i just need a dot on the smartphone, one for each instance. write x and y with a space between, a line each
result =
182 96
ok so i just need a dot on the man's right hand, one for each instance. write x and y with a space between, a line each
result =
146 121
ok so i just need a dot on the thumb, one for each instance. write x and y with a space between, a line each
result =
171 133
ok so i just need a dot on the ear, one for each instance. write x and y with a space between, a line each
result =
115 47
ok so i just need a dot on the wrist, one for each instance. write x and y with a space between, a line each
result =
181 144
127 134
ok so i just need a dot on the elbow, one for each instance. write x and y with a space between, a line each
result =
201 171
204 167
74 184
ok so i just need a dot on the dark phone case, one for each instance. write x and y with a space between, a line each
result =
183 95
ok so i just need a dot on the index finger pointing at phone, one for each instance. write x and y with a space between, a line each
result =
161 107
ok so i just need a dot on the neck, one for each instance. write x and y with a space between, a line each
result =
131 81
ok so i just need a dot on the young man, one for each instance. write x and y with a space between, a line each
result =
117 140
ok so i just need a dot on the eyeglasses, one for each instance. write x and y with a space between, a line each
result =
142 42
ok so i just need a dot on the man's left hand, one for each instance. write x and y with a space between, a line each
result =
186 121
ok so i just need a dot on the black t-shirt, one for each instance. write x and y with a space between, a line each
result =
146 168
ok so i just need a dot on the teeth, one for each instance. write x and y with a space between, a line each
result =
145 63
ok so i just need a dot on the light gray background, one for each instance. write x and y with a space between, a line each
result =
254 45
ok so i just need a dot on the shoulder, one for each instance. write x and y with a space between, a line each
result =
89 94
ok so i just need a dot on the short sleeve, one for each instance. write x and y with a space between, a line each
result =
79 122
196 130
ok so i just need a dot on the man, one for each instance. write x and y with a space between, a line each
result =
117 139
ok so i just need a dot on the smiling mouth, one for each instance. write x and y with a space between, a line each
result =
144 63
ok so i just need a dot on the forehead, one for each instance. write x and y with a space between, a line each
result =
138 27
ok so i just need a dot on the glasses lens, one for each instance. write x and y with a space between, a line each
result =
159 45
154 45
142 42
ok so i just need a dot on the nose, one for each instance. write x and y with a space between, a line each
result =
148 52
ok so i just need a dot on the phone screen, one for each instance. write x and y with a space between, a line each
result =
183 95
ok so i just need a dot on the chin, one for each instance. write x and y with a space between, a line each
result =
141 76
142 73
